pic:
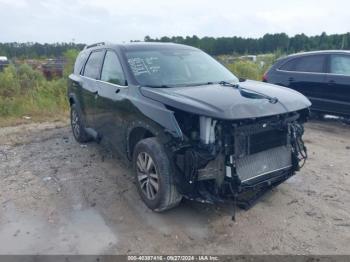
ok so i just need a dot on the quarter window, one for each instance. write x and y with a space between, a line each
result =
93 65
80 62
112 71
312 64
289 66
340 64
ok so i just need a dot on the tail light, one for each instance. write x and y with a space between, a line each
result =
264 78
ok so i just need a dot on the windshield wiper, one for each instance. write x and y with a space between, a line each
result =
225 83
200 84
272 100
157 86
179 85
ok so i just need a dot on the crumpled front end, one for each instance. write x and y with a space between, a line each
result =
221 160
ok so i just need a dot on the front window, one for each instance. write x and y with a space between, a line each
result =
176 67
112 71
310 64
340 65
93 65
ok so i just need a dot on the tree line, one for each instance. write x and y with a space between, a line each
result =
37 50
269 43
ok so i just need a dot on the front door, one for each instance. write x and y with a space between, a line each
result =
111 105
338 81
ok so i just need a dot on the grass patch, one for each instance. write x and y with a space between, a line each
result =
253 70
26 96
25 92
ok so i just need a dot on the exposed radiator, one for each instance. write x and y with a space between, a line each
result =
263 163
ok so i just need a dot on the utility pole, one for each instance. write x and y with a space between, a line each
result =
343 42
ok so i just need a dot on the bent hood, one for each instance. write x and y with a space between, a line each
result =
225 102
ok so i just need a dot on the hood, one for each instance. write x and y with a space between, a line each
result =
226 102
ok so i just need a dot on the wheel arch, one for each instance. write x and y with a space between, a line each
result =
72 98
136 134
71 101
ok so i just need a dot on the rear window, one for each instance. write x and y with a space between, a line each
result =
289 66
312 64
93 65
79 63
340 64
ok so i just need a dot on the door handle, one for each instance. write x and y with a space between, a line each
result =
117 90
331 82
291 79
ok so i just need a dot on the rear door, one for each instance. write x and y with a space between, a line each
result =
338 81
91 74
112 108
307 75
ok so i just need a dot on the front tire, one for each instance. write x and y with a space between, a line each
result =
155 175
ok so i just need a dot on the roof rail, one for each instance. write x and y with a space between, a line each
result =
94 45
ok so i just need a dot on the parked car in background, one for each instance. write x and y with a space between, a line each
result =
189 127
322 76
3 62
53 68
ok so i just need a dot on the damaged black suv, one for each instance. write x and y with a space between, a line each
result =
189 127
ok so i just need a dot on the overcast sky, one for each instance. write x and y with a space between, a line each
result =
124 20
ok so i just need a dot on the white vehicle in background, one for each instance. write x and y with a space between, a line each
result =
3 62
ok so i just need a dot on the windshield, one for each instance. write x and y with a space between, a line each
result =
176 68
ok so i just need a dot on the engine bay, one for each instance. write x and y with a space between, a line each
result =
221 160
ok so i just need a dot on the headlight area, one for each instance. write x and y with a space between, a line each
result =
224 160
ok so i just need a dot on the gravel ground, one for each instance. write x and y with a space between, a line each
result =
59 197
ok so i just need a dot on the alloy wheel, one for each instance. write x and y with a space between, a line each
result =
147 175
75 123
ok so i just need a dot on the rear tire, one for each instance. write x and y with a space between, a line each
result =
77 124
154 174
346 120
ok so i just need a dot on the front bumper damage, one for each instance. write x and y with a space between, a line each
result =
237 161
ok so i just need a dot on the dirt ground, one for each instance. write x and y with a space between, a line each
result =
59 197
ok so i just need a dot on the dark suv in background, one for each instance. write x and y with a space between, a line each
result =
189 127
322 76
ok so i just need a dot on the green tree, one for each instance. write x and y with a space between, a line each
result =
70 55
